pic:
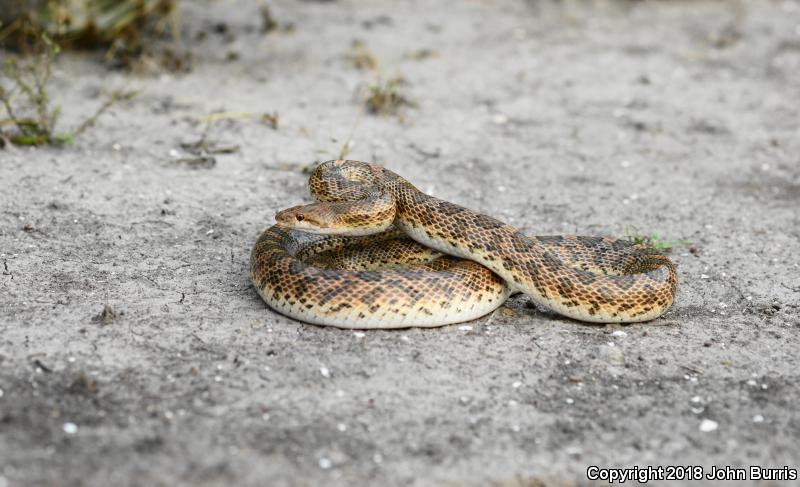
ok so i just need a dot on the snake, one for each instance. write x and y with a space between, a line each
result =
375 252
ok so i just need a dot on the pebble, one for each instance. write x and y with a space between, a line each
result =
619 333
325 372
341 427
707 425
758 418
465 328
516 385
325 463
569 400
1 392
359 334
70 428
500 119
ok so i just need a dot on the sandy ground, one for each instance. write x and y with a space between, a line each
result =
680 118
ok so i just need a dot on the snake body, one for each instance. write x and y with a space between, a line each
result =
594 279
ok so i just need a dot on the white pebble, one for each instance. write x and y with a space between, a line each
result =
341 427
516 385
325 372
70 428
704 276
696 399
569 400
619 333
465 328
359 334
751 382
512 403
325 463
708 425
758 418
1 393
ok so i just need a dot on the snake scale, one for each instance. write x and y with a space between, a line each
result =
375 252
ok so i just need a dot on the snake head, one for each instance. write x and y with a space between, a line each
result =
308 218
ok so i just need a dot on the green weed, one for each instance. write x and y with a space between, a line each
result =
653 240
25 97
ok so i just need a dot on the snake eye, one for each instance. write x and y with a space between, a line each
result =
300 218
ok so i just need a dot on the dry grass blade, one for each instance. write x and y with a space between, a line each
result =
385 98
124 27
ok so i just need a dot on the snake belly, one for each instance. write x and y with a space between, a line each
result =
593 279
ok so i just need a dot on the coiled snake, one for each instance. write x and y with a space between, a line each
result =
361 258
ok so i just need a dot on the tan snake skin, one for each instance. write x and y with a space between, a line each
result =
595 279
